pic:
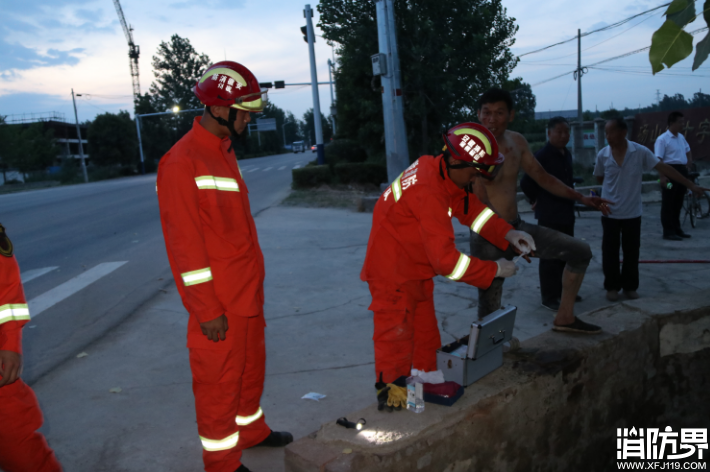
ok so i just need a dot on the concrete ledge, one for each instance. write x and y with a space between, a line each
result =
553 406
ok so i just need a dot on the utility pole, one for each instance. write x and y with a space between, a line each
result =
578 77
332 98
78 134
308 14
392 102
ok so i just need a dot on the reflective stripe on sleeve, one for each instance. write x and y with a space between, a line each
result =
221 444
481 220
196 277
461 267
246 420
450 212
397 188
206 182
14 312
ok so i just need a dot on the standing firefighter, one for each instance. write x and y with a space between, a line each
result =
218 267
22 448
412 240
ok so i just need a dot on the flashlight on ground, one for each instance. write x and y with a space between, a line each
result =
350 425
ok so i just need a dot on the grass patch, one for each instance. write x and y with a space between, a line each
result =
328 196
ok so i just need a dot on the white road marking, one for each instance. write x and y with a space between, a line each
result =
281 168
268 168
61 292
34 273
253 170
296 166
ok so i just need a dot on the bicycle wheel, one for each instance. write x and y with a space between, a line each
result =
692 208
704 205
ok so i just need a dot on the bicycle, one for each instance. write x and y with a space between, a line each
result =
695 207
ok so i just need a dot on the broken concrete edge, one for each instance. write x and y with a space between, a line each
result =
573 390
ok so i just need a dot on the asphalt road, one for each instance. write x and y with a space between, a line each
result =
91 254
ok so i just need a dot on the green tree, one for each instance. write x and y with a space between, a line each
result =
449 55
27 148
156 135
293 128
700 100
675 102
177 66
525 103
308 127
671 44
112 139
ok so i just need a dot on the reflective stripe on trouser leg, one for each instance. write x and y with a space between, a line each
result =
220 444
481 220
196 276
247 420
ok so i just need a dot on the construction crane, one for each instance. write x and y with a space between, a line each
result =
134 51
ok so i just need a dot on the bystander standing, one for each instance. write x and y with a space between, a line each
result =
672 149
619 168
552 211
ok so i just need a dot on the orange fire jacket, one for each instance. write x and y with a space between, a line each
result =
209 232
412 237
13 306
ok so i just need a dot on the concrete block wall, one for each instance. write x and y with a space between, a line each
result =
553 406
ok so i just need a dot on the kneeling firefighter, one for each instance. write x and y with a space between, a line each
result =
412 240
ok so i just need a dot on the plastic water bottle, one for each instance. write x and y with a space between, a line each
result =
415 395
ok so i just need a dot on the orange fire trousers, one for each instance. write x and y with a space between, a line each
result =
406 331
228 384
22 448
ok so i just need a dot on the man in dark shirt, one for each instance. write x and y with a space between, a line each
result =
552 211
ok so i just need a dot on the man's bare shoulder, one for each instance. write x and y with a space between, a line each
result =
516 138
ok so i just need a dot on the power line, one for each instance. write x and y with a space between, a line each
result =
605 28
697 31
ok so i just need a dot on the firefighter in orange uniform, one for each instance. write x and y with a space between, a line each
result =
412 240
218 267
22 448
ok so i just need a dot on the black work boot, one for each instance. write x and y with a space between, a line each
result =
276 439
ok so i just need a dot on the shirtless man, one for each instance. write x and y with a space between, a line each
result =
495 112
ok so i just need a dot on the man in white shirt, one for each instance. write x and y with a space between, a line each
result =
672 149
619 169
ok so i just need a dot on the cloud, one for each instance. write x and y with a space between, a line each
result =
15 56
207 4
89 15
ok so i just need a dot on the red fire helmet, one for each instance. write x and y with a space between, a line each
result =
230 84
475 145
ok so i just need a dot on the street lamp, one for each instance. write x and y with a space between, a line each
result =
175 110
78 135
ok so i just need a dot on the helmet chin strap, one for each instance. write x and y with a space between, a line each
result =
468 188
229 123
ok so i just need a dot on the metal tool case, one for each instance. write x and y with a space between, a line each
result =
484 352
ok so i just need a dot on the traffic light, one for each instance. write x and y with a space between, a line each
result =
304 30
265 85
279 84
